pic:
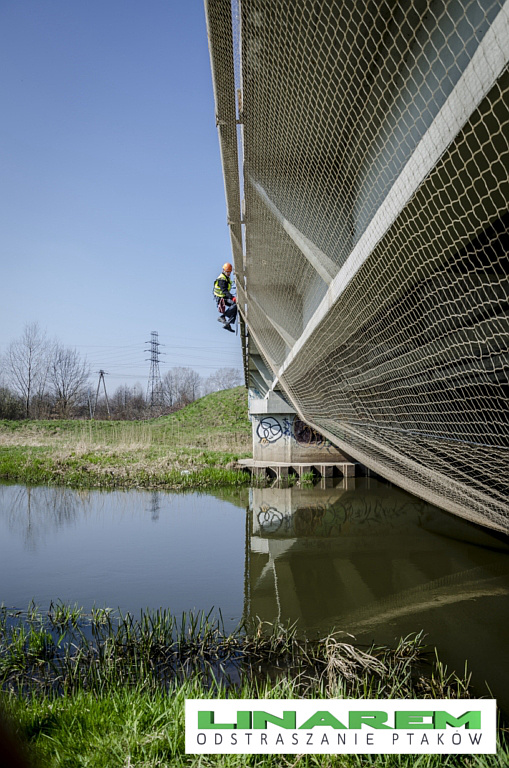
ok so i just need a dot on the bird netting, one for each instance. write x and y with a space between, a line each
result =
370 142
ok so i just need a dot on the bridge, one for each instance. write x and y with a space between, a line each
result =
383 557
365 151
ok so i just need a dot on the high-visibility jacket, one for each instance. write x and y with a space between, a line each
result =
223 292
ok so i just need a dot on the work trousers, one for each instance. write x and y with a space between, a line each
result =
230 313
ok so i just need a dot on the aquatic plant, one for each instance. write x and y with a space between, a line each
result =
65 649
109 691
306 479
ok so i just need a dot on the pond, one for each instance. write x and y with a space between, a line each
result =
358 556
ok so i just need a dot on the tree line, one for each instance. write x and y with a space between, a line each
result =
42 379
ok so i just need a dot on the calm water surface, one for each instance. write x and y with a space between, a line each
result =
361 557
127 550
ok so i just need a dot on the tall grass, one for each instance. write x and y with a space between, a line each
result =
108 689
126 435
66 650
124 727
181 450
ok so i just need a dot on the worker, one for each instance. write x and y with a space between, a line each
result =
226 302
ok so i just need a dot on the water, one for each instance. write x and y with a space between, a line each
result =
374 561
127 550
362 557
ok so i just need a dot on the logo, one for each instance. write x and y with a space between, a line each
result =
335 726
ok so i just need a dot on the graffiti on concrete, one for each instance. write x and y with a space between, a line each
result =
287 428
269 430
306 435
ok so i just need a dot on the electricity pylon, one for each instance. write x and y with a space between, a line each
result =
155 387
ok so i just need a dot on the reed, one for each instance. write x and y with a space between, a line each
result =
306 479
65 649
107 689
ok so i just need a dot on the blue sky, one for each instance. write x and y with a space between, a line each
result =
112 208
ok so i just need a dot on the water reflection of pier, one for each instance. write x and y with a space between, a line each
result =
371 560
361 555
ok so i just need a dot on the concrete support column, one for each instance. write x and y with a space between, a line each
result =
280 436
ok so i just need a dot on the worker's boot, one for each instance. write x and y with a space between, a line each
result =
228 327
221 320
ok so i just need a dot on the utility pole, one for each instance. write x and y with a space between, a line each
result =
155 387
102 374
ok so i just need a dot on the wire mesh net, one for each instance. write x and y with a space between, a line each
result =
374 263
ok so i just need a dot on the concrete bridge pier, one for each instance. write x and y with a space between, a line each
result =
285 444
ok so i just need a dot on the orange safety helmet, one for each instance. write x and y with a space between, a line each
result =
227 267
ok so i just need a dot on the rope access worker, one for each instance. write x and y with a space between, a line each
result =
226 302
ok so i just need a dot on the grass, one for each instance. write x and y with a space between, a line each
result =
125 728
108 691
197 447
307 479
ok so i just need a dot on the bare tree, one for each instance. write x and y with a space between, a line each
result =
168 386
119 402
128 402
188 385
11 406
181 386
27 363
223 378
68 377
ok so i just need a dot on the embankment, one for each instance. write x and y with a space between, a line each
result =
196 447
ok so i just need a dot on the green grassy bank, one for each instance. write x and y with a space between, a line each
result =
109 692
196 447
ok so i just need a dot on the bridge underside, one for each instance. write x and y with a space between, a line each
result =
369 144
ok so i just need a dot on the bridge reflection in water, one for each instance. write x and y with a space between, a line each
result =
362 557
374 562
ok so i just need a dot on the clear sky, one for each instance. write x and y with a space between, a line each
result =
112 210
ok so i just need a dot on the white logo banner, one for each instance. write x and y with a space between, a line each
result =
335 726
